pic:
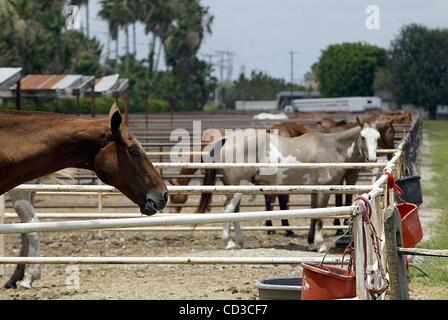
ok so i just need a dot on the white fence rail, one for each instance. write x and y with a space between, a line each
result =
374 193
191 219
169 260
257 189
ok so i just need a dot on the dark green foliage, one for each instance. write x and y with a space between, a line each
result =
419 67
259 86
348 69
33 36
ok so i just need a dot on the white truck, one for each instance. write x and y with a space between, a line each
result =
345 104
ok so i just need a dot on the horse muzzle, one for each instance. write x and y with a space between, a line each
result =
153 202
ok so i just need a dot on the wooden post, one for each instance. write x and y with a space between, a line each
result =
18 94
395 262
78 109
100 199
2 237
361 291
93 101
146 114
126 106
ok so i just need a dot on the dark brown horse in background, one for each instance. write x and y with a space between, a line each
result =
35 144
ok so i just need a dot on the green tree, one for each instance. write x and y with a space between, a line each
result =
348 69
259 86
419 67
32 36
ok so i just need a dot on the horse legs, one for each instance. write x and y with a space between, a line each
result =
283 200
351 178
337 222
30 245
19 271
315 233
232 206
268 200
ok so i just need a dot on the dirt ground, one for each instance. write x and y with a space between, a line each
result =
155 281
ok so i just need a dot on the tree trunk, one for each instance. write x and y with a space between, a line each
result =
134 37
87 19
159 52
432 112
127 47
116 53
151 53
108 47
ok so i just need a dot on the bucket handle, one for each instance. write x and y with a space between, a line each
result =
347 250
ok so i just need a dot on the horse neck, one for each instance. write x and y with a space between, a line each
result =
36 144
349 144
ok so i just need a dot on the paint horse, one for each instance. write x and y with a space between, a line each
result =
35 144
353 145
286 129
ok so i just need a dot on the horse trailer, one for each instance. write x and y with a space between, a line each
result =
346 104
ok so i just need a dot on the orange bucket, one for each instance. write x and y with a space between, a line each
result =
410 224
324 282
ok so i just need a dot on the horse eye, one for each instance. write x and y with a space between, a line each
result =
135 154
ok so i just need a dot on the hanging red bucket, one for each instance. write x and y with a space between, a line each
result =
410 224
324 282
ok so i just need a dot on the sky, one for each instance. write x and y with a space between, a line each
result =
261 33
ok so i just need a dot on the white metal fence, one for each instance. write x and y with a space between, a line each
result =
375 194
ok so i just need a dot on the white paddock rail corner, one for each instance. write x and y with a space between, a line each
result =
374 193
377 199
252 189
184 219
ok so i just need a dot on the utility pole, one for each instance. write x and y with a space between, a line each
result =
292 53
210 58
225 63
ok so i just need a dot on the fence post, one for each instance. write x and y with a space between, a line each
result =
395 262
361 291
100 199
2 237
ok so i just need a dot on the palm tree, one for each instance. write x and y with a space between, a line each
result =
110 12
158 16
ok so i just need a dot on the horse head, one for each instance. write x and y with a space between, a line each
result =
368 140
123 163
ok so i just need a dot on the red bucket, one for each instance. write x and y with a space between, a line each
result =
410 224
324 282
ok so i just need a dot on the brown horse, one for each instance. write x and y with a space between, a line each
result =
34 144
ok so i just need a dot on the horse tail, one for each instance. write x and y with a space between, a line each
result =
210 178
206 198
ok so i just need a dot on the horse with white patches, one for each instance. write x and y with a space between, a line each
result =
357 144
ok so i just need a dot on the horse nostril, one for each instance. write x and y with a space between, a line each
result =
165 197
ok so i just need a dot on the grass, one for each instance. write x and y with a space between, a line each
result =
436 285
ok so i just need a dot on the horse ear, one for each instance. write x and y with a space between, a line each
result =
115 118
359 122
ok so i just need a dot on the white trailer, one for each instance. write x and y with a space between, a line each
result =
346 104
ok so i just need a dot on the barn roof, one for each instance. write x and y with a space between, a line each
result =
111 85
9 76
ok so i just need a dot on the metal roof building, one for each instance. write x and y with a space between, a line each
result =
60 86
9 77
